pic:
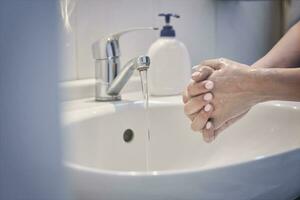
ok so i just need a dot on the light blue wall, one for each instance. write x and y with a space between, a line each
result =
292 12
30 145
246 30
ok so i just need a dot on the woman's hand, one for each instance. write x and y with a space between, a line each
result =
234 92
197 98
232 96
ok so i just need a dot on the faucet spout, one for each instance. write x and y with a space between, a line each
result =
109 79
140 63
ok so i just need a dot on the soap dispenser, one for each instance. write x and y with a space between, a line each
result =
170 68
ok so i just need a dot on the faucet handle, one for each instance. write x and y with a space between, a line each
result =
117 35
108 47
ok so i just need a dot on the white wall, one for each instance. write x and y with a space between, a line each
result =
240 30
93 19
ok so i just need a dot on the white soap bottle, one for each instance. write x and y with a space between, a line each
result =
170 67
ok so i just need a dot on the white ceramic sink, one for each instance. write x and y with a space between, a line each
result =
256 158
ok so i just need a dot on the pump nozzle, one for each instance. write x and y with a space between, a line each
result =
168 30
168 16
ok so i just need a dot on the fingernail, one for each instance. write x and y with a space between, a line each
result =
208 125
195 74
208 97
207 108
209 85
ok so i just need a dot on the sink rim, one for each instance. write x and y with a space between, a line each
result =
132 99
174 172
84 109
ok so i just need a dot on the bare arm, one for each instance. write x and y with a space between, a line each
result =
267 79
286 53
236 89
277 84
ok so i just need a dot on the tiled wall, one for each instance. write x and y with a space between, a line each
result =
92 19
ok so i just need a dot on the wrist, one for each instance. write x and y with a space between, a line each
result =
260 84
263 63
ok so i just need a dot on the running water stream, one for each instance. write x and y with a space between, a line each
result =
144 83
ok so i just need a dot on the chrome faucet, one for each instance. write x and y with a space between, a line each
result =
109 79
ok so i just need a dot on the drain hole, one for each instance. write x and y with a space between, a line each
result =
128 135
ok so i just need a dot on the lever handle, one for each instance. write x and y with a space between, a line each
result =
117 35
108 46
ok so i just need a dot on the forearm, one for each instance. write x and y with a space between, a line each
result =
276 84
286 53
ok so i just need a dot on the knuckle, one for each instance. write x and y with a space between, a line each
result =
186 107
194 89
186 110
184 98
209 70
223 64
193 126
202 67
189 89
206 68
199 99
193 116
200 85
200 102
205 115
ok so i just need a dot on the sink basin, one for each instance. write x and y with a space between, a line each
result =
256 158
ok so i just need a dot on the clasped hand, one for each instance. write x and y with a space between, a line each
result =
220 93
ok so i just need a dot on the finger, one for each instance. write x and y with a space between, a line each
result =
195 89
214 63
208 132
192 116
200 120
202 74
184 97
229 123
197 103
